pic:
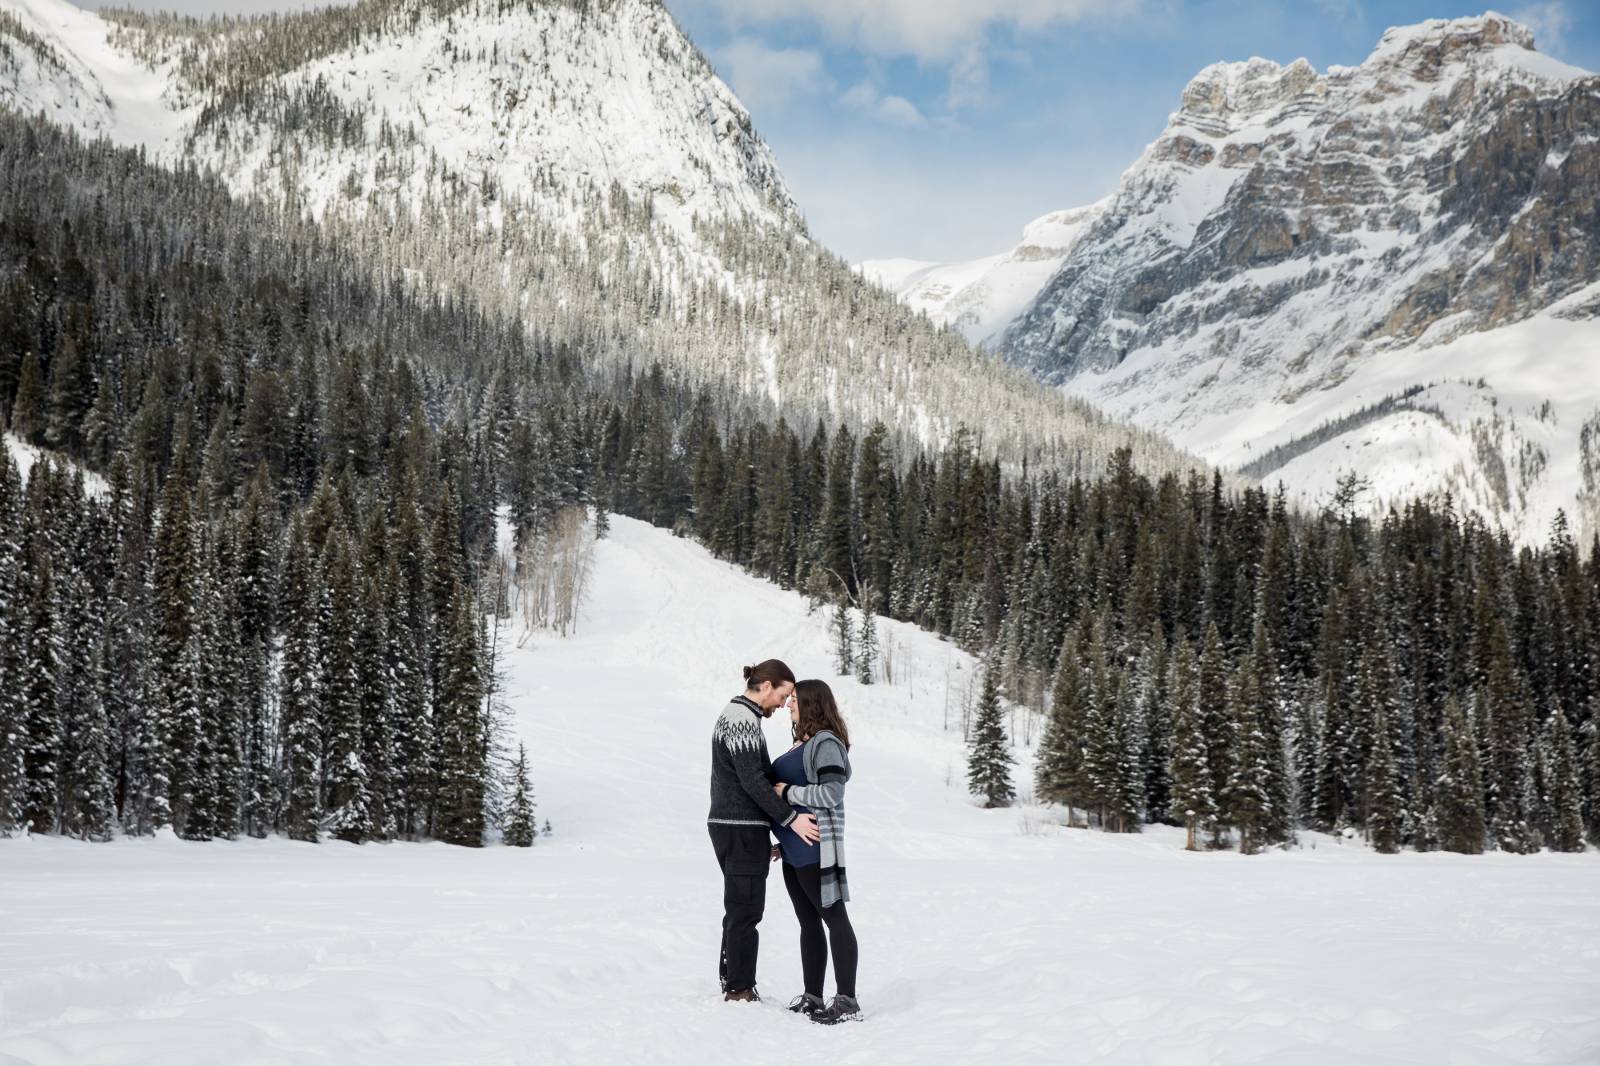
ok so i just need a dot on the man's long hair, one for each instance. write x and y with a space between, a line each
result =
772 671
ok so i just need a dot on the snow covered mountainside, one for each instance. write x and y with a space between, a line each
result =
576 166
989 930
1391 269
984 297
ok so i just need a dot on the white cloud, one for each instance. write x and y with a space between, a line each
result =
1549 22
897 110
935 31
768 79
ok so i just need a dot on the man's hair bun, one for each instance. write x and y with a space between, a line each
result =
748 671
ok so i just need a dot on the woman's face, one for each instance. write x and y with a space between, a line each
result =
794 709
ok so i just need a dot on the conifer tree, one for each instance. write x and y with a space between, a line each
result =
36 693
374 680
866 653
1594 761
1192 797
86 803
1249 806
1565 798
1385 822
460 745
250 604
521 827
27 410
348 804
1217 725
844 651
13 723
1058 773
1125 741
1099 727
989 759
300 698
1277 821
1155 715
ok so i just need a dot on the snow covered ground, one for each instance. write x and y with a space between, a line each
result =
986 936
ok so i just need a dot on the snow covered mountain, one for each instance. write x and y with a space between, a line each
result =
982 298
1391 270
577 166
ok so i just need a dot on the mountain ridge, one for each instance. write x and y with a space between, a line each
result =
1292 242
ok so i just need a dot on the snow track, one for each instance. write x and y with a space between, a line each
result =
983 933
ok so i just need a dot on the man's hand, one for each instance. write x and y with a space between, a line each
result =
778 788
805 827
776 851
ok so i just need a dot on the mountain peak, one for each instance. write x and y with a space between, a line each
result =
1422 48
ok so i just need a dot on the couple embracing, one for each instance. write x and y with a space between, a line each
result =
799 799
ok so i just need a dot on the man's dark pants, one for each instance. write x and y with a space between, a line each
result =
744 854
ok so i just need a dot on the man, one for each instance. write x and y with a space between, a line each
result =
743 809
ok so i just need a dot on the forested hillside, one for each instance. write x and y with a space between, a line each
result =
272 616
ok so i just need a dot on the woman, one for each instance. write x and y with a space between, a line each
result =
811 777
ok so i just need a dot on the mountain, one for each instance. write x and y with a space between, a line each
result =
982 298
1388 270
578 167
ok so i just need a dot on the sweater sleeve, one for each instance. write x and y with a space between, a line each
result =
753 779
828 789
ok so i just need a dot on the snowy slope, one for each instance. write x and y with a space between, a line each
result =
983 297
991 933
62 65
529 96
25 456
579 167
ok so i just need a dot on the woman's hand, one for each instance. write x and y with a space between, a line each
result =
778 788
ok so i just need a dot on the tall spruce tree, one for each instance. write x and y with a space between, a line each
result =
521 827
1460 786
1249 806
13 721
1192 781
1565 795
844 643
1217 725
1058 773
866 652
348 804
989 758
460 746
1386 817
300 691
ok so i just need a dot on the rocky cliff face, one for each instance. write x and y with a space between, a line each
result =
1297 246
1452 173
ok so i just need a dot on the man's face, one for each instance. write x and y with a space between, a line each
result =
775 695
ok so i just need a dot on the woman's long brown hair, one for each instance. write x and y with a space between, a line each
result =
818 711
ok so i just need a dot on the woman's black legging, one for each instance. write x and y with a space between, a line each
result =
805 892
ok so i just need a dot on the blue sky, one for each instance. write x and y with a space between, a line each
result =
936 129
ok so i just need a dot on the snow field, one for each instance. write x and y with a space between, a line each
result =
990 934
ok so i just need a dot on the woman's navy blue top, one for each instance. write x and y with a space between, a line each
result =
790 768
